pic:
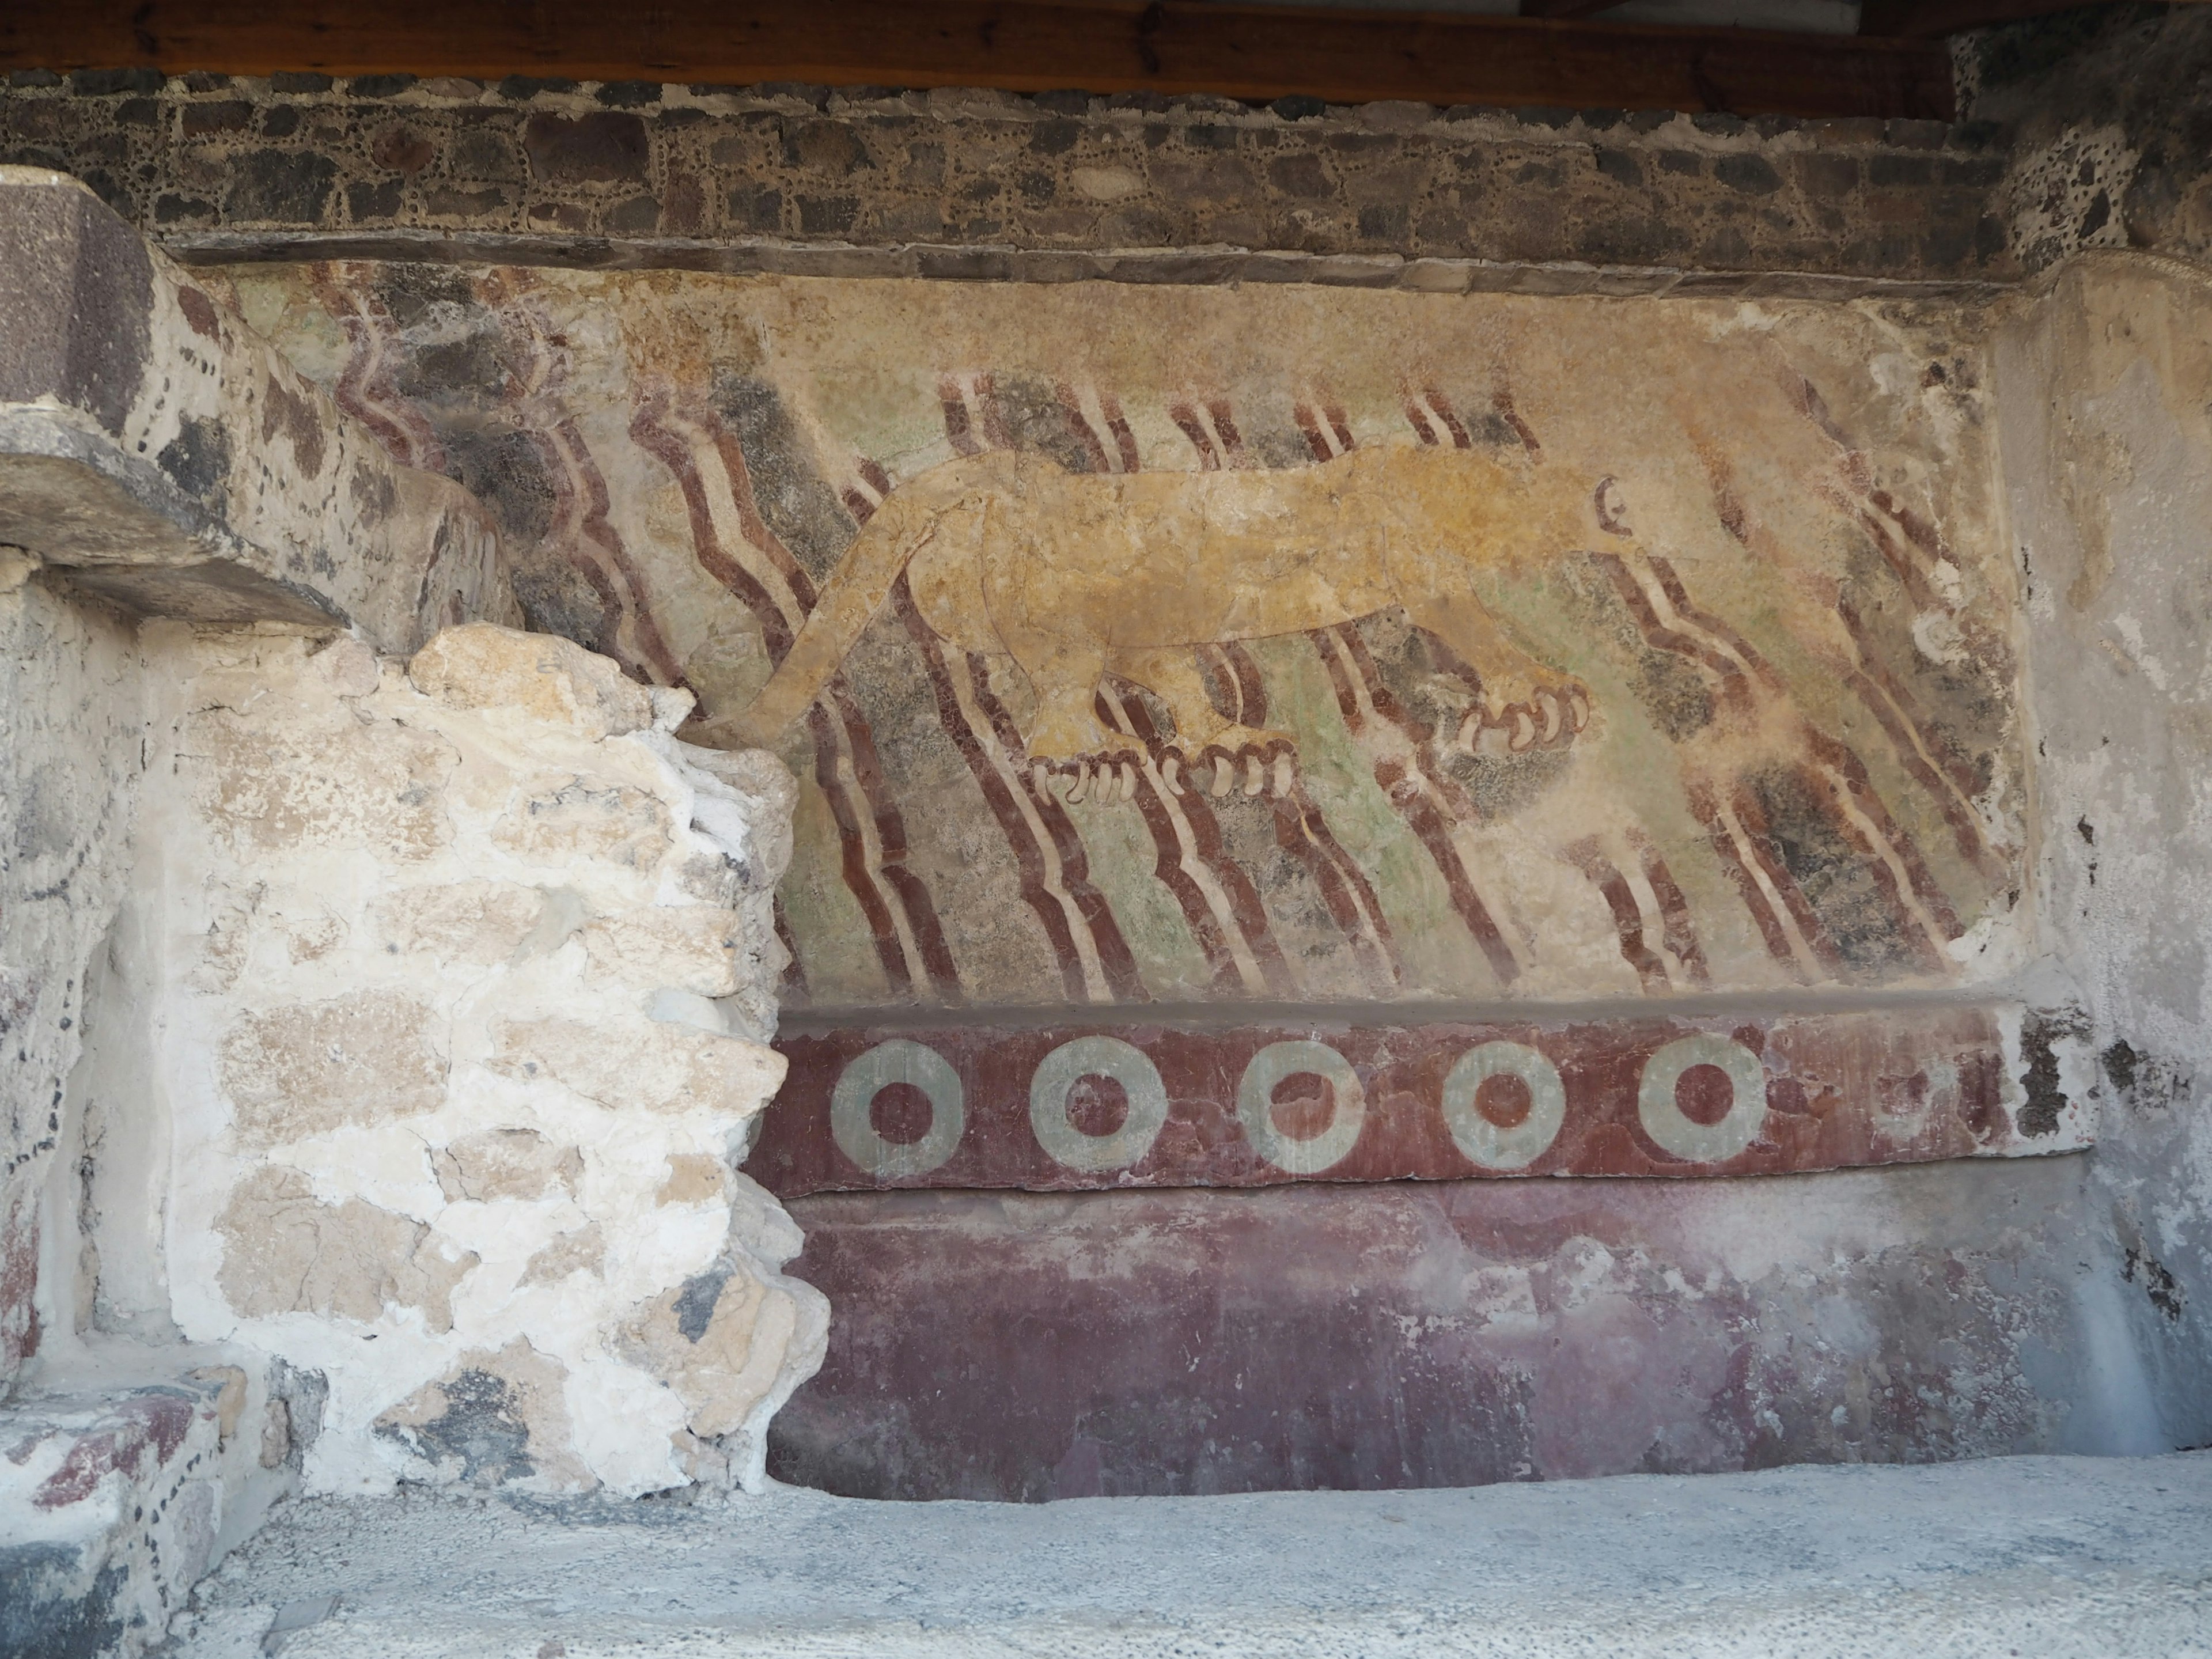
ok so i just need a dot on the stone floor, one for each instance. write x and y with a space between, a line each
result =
2039 1557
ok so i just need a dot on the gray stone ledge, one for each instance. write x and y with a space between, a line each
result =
1169 267
1715 133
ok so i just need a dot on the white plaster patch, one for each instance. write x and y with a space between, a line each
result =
459 1231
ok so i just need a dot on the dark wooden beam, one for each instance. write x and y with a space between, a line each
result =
1928 19
1026 45
1566 8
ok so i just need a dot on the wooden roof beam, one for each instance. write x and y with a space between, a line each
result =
1255 52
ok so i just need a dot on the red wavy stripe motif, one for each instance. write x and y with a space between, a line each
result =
1587 856
1301 830
581 530
1927 756
754 566
1428 802
1094 960
1921 916
1093 957
365 388
1428 806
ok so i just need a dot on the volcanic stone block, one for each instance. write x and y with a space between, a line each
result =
166 457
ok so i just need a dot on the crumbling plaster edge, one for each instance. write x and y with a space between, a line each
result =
2009 321
2055 980
2042 284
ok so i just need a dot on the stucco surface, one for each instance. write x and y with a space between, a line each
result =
1446 1333
2109 467
2054 1557
1205 670
71 714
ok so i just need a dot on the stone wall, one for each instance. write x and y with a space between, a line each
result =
2110 128
964 184
1762 767
467 964
155 458
264 908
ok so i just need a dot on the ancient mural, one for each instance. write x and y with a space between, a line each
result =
1404 655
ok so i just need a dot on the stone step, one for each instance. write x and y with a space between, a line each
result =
117 1493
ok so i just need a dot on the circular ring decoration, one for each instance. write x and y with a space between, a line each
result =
1667 1123
1485 1142
1255 1099
1096 1056
868 1076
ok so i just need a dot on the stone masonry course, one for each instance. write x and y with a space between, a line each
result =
979 184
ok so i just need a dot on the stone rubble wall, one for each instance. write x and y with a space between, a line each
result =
867 181
467 968
156 457
2109 113
132 1461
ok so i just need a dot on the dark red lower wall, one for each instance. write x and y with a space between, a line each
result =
1018 1345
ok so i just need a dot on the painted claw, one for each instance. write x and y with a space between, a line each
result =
1254 781
1040 775
1282 776
1128 781
1525 729
1554 709
1578 709
1082 783
1225 774
1171 769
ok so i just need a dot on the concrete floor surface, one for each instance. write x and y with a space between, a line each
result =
2043 1558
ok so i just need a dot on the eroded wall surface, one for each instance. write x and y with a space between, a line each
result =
1751 546
156 457
2102 380
464 968
184 1320
170 460
72 713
